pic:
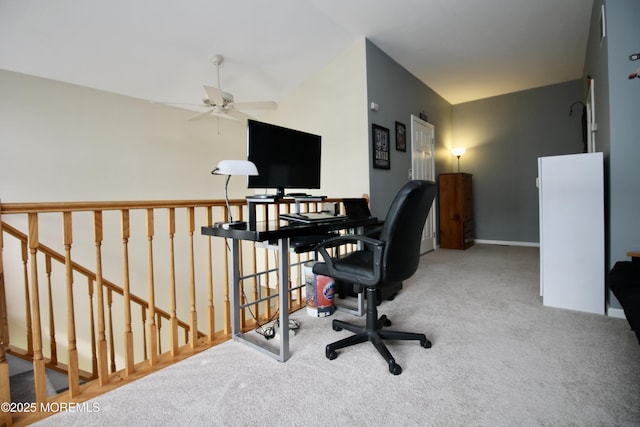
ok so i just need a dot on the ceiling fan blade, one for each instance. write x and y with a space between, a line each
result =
257 105
201 115
215 95
177 104
237 115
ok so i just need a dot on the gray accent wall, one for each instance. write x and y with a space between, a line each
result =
399 94
618 135
504 136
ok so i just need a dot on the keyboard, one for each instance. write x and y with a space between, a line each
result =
309 217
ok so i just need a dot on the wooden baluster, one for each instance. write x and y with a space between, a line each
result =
5 391
288 284
173 320
241 290
4 318
268 311
143 315
94 355
227 301
5 383
103 374
27 296
73 371
254 266
112 350
277 286
52 324
38 361
126 294
153 330
159 323
243 320
192 280
299 270
210 304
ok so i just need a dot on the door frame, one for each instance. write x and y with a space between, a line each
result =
427 243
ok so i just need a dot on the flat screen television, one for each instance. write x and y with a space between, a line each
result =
285 158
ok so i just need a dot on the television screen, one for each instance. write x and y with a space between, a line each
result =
285 158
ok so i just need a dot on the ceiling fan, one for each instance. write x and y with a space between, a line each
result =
222 104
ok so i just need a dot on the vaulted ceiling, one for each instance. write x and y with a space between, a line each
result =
160 50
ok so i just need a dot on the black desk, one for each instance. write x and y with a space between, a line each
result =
281 232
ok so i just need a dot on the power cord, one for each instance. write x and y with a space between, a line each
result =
268 332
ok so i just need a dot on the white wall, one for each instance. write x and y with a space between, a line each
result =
333 104
62 142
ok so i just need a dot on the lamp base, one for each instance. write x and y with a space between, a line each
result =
235 225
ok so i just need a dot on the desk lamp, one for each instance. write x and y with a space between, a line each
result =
230 168
458 152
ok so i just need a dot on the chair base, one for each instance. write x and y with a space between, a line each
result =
373 332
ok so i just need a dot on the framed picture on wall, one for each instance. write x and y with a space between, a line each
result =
380 140
401 137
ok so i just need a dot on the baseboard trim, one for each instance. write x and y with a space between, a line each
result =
616 312
507 243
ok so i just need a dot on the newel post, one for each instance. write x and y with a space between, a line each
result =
5 392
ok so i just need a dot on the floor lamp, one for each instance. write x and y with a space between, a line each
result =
458 152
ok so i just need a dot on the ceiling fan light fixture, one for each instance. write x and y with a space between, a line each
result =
216 59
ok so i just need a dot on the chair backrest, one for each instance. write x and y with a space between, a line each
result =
402 230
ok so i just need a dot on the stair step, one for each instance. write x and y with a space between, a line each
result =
23 387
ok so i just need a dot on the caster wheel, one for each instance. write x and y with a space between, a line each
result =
387 322
425 343
394 368
331 354
337 328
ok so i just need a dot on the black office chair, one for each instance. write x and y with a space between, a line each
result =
385 261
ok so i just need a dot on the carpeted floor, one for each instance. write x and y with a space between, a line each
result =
499 358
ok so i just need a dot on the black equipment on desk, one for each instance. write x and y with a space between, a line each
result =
285 158
356 208
310 217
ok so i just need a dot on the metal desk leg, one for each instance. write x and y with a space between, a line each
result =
283 298
283 270
236 332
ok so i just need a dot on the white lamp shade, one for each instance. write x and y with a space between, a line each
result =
459 151
235 167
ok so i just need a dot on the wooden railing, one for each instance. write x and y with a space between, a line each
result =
103 300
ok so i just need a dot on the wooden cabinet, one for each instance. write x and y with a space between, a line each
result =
456 210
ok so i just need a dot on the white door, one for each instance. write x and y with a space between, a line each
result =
591 114
423 167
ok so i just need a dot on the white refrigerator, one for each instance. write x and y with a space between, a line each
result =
572 256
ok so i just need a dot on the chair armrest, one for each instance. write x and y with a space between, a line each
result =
371 276
349 238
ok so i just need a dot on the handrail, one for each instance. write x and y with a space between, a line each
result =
89 274
49 207
197 272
